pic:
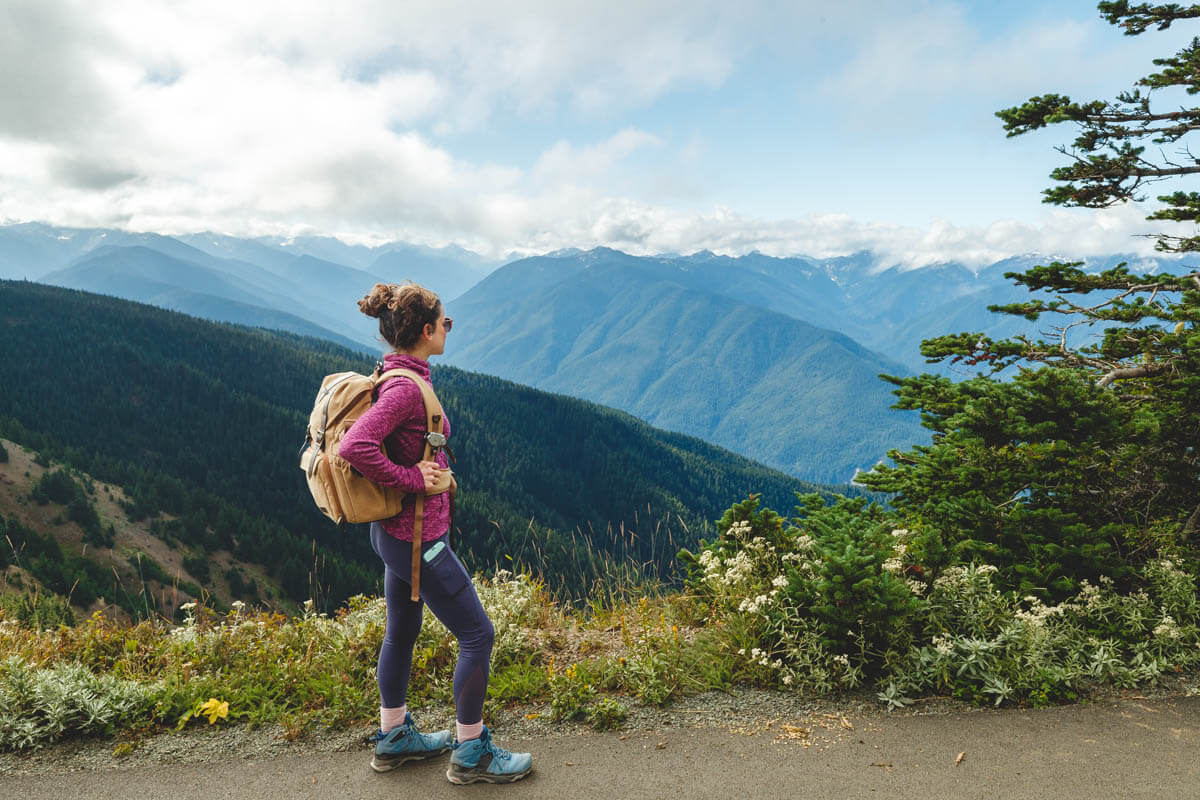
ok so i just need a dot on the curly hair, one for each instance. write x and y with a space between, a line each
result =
403 311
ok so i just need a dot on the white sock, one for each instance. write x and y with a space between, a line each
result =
392 717
465 732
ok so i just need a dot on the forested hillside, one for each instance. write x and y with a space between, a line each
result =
204 421
632 334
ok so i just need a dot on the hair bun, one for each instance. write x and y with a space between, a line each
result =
379 298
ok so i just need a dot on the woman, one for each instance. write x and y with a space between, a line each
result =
412 322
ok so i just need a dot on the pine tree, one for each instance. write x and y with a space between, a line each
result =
1088 460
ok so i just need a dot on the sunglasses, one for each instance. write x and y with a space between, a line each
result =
447 323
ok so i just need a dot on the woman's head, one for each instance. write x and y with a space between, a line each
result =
406 312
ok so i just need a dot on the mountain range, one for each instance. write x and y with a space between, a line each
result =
774 358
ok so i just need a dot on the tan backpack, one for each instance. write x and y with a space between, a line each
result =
341 492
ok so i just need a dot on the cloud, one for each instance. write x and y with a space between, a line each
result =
48 86
564 162
347 119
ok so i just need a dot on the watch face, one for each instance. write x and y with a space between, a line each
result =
436 439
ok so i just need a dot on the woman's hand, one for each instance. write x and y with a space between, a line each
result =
430 472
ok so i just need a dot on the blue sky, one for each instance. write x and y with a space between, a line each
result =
529 126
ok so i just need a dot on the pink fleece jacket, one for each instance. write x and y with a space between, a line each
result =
397 420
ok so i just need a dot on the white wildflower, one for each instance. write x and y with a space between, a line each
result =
1168 628
779 582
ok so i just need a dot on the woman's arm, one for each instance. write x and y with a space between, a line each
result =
362 446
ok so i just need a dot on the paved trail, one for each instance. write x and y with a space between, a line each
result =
1128 748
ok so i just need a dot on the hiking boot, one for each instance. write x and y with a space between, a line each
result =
480 760
406 743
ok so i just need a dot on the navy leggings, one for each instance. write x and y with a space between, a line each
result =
446 588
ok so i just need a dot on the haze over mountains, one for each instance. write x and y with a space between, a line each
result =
306 285
774 358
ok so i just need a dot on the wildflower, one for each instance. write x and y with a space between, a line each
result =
779 582
787 680
1168 628
214 709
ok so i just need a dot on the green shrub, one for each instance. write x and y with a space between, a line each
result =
816 602
607 714
38 706
988 646
38 611
55 486
571 694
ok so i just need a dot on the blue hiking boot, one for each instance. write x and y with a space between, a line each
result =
480 760
406 743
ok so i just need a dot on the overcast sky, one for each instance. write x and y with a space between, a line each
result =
525 126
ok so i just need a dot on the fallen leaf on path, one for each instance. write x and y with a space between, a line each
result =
660 745
794 732
960 758
847 724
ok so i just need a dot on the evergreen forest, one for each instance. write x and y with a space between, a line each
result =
204 421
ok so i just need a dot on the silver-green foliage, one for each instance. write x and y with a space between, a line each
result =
990 646
38 705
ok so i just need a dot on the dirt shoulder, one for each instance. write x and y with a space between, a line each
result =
756 744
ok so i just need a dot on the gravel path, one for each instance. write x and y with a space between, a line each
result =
753 744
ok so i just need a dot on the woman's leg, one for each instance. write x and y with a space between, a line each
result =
403 622
446 588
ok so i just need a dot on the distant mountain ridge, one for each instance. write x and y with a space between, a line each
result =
286 284
557 322
775 358
629 333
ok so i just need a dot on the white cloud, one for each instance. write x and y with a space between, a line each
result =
565 162
280 117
